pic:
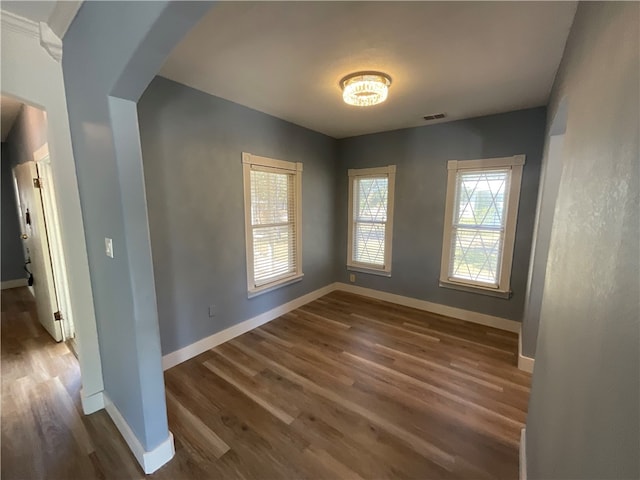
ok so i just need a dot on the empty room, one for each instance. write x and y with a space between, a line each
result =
321 240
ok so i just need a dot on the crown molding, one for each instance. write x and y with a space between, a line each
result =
19 24
62 16
50 41
41 31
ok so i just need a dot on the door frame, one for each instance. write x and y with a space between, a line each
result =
32 76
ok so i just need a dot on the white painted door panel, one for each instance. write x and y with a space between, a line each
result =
34 233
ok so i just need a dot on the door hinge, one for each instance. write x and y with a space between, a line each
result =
37 183
57 316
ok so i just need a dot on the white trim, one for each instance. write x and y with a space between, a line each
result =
29 74
270 287
365 172
182 355
50 41
91 403
471 288
370 270
18 282
42 154
512 190
150 461
250 159
524 363
523 454
20 24
174 358
482 163
439 309
354 174
250 162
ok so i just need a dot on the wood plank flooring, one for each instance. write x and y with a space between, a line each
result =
344 387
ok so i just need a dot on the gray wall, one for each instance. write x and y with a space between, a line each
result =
421 156
584 410
111 52
547 196
192 144
12 255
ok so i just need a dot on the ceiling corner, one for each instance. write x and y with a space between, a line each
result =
62 15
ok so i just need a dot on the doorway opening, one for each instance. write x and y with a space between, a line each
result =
34 240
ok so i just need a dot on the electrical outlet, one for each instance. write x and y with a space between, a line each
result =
108 247
212 310
352 277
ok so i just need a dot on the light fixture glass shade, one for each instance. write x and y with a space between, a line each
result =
364 89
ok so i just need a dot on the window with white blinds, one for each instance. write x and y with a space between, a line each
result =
371 193
480 223
273 219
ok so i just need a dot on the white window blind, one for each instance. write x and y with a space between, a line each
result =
273 225
480 224
370 218
272 202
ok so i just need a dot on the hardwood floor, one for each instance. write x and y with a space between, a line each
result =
344 387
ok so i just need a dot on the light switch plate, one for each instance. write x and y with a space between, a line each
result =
108 247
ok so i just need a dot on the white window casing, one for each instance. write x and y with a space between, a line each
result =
370 231
273 222
480 224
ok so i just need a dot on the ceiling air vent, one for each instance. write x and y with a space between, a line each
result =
435 116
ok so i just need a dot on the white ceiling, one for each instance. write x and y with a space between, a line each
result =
9 110
463 59
33 10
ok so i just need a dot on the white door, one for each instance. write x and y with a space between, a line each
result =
34 234
54 235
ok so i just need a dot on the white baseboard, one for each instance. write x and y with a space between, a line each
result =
150 461
459 313
174 358
524 363
91 403
18 282
523 455
182 355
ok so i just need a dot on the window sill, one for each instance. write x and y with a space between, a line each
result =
492 292
270 287
372 271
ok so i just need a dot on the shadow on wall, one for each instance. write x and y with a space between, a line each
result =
12 255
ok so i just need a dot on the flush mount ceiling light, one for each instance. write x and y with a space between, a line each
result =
364 89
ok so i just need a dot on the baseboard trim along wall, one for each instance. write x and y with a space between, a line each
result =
524 363
439 309
182 355
91 403
19 282
174 358
149 461
523 454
